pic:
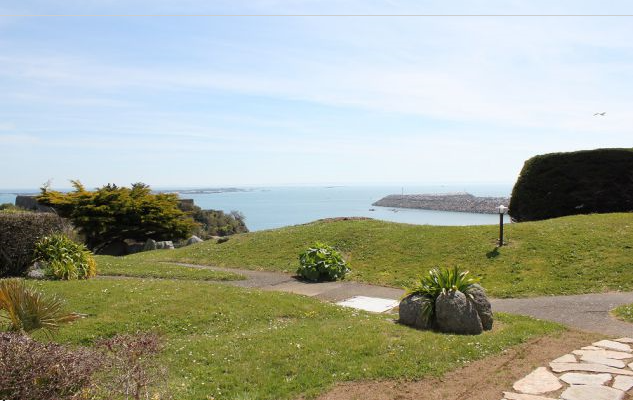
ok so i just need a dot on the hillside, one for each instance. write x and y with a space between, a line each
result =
570 255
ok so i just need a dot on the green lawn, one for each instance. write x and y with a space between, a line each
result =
624 312
228 342
570 255
114 266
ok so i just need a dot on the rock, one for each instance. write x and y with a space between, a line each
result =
586 378
565 358
624 340
539 381
616 346
193 240
602 360
604 353
592 348
410 312
222 240
508 395
588 367
482 304
150 245
134 246
455 313
624 383
164 245
592 393
36 272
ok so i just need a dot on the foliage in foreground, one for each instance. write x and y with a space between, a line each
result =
228 342
113 213
26 309
440 281
19 232
64 259
624 312
322 263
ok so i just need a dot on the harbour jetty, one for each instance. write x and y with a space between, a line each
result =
452 202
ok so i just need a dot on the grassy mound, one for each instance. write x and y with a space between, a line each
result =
570 255
624 312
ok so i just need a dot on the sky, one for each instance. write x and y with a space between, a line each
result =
204 101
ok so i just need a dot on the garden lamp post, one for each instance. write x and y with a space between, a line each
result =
502 210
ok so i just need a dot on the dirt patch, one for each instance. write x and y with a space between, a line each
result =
485 379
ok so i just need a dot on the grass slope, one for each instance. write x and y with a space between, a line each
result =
115 266
624 312
569 255
228 342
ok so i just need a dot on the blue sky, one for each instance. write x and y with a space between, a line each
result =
216 101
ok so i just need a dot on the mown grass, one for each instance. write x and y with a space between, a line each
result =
570 255
118 266
624 312
228 342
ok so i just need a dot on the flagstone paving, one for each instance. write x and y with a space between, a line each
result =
576 379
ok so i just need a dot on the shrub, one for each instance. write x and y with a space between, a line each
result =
64 259
28 310
112 213
439 281
217 223
33 370
562 184
322 262
19 232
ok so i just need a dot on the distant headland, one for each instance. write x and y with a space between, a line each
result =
452 202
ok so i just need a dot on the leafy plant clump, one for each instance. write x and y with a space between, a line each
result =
64 259
440 281
322 263
27 310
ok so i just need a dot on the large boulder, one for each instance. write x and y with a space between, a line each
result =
164 245
193 240
482 305
455 313
410 312
150 245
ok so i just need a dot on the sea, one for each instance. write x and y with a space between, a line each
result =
273 207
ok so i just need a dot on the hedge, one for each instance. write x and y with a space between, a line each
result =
18 234
583 182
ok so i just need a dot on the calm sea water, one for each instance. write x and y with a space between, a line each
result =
274 207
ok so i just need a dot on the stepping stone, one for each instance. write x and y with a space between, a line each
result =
605 354
539 381
592 393
565 358
587 378
516 396
624 340
588 367
624 383
631 366
616 346
603 361
592 348
371 304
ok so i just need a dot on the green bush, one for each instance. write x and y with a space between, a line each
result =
562 184
64 259
439 281
322 263
19 232
217 223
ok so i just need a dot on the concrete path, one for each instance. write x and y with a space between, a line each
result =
588 312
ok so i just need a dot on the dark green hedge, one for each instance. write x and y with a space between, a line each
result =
18 234
563 184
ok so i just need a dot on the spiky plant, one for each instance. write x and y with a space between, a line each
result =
65 259
440 281
28 310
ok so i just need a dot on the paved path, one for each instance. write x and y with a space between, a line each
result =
588 312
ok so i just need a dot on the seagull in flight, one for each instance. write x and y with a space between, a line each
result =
600 114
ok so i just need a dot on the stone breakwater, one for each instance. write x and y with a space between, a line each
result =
459 202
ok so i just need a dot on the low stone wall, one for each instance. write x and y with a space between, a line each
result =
29 202
461 202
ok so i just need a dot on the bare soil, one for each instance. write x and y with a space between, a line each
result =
485 379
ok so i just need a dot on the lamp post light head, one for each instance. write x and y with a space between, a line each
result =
502 209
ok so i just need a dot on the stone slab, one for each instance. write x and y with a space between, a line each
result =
603 361
508 395
624 383
565 358
588 367
605 354
592 393
371 304
624 340
587 378
592 348
540 381
614 345
301 288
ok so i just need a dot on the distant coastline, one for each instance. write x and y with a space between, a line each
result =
452 202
